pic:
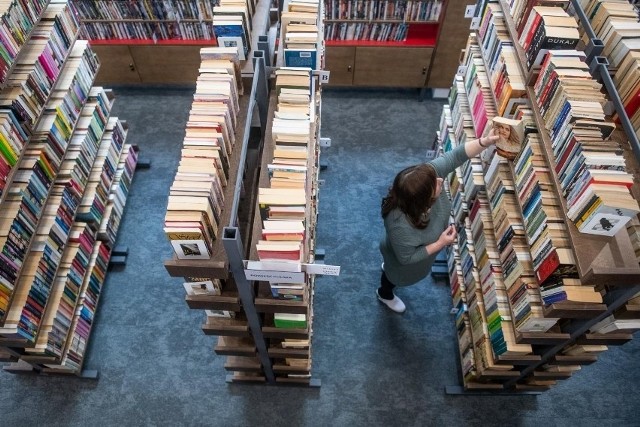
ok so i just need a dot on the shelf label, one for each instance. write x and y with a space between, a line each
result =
462 70
431 154
324 142
327 270
470 11
324 76
475 23
274 276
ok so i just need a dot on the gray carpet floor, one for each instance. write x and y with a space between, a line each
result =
376 367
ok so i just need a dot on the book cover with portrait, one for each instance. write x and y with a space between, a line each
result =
511 133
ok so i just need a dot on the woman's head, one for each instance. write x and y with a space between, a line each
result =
414 190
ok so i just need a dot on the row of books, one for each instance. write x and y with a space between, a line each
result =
35 74
93 282
405 10
40 63
145 9
75 172
501 60
590 169
196 198
478 89
300 37
17 22
380 32
24 207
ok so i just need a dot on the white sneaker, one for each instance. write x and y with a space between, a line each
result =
394 304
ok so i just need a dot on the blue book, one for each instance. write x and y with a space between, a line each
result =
300 58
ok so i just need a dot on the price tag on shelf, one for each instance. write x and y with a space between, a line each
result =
475 23
470 11
462 70
431 154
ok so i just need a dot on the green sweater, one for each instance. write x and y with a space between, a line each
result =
403 246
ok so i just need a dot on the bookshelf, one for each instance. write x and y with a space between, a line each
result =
158 42
73 159
569 332
363 38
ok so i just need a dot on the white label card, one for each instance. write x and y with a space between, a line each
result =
470 11
462 70
327 270
274 276
324 76
475 24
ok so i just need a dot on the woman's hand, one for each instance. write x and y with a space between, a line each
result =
490 139
448 236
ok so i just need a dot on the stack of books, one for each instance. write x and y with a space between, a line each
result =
196 197
590 169
300 37
547 28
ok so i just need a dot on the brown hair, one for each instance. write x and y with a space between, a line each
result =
412 192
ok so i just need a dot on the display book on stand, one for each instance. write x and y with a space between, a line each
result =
537 291
63 157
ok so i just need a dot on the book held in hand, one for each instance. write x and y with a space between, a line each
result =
511 133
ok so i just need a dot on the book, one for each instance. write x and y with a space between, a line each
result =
511 133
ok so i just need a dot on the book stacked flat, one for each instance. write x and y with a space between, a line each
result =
521 9
569 289
502 61
590 169
196 197
611 325
300 36
547 28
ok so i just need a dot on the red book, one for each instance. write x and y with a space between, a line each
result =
548 266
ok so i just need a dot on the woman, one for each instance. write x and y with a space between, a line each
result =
416 215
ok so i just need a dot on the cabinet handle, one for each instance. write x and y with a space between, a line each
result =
349 68
132 67
424 70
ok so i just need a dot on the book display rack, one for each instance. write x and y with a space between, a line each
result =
255 274
360 35
66 172
157 41
537 291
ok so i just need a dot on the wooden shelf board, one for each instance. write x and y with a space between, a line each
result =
629 311
196 268
294 353
245 377
213 302
546 375
273 332
287 369
541 337
287 380
574 310
474 385
489 374
271 305
583 359
235 346
226 327
39 359
600 259
525 359
605 339
242 364
532 387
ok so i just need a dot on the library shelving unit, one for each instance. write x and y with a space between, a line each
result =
395 44
519 341
69 181
247 331
159 42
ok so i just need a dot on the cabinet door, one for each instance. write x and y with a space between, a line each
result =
392 66
116 65
167 64
340 61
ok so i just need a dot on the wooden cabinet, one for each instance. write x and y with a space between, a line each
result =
147 64
378 66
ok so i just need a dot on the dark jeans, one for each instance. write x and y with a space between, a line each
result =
386 287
